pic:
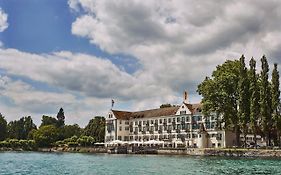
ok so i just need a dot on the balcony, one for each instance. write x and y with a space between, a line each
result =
169 131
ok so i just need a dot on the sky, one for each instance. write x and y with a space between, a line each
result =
80 54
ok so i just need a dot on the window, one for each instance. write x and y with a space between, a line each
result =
187 118
151 121
120 128
126 138
136 122
182 112
127 128
178 119
126 122
120 122
183 119
169 120
119 137
199 118
174 119
160 121
139 122
143 123
165 120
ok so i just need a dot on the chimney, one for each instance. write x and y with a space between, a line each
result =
185 97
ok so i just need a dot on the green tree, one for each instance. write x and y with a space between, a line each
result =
3 127
220 95
254 99
244 98
28 126
61 118
265 101
96 129
46 135
19 129
275 97
71 130
47 120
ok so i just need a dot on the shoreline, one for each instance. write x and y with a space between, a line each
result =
223 152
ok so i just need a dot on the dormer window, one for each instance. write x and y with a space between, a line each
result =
182 112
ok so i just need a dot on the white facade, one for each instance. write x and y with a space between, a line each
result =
182 124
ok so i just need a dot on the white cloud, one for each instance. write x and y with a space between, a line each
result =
176 42
3 20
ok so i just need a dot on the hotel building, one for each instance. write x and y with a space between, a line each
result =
184 124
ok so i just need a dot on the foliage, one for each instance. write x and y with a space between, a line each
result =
3 127
254 99
19 129
96 128
46 135
71 130
15 143
244 98
265 100
86 141
47 120
220 94
61 118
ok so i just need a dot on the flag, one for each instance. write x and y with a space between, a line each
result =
112 103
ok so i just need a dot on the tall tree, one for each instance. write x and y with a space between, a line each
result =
275 97
60 117
19 129
244 98
47 120
254 99
3 127
96 128
265 101
220 95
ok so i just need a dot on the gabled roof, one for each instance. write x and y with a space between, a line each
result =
194 107
126 115
155 112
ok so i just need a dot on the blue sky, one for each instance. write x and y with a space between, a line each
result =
79 54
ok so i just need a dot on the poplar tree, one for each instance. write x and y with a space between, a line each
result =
61 118
265 101
254 99
275 98
244 99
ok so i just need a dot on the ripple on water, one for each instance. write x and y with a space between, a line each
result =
31 163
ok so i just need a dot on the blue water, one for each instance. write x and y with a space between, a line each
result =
75 163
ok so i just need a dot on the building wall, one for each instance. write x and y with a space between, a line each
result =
181 126
122 130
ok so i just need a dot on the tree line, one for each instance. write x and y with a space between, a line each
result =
246 101
23 133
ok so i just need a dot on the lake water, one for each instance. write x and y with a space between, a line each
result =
75 163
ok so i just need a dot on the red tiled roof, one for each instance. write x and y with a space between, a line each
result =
126 115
